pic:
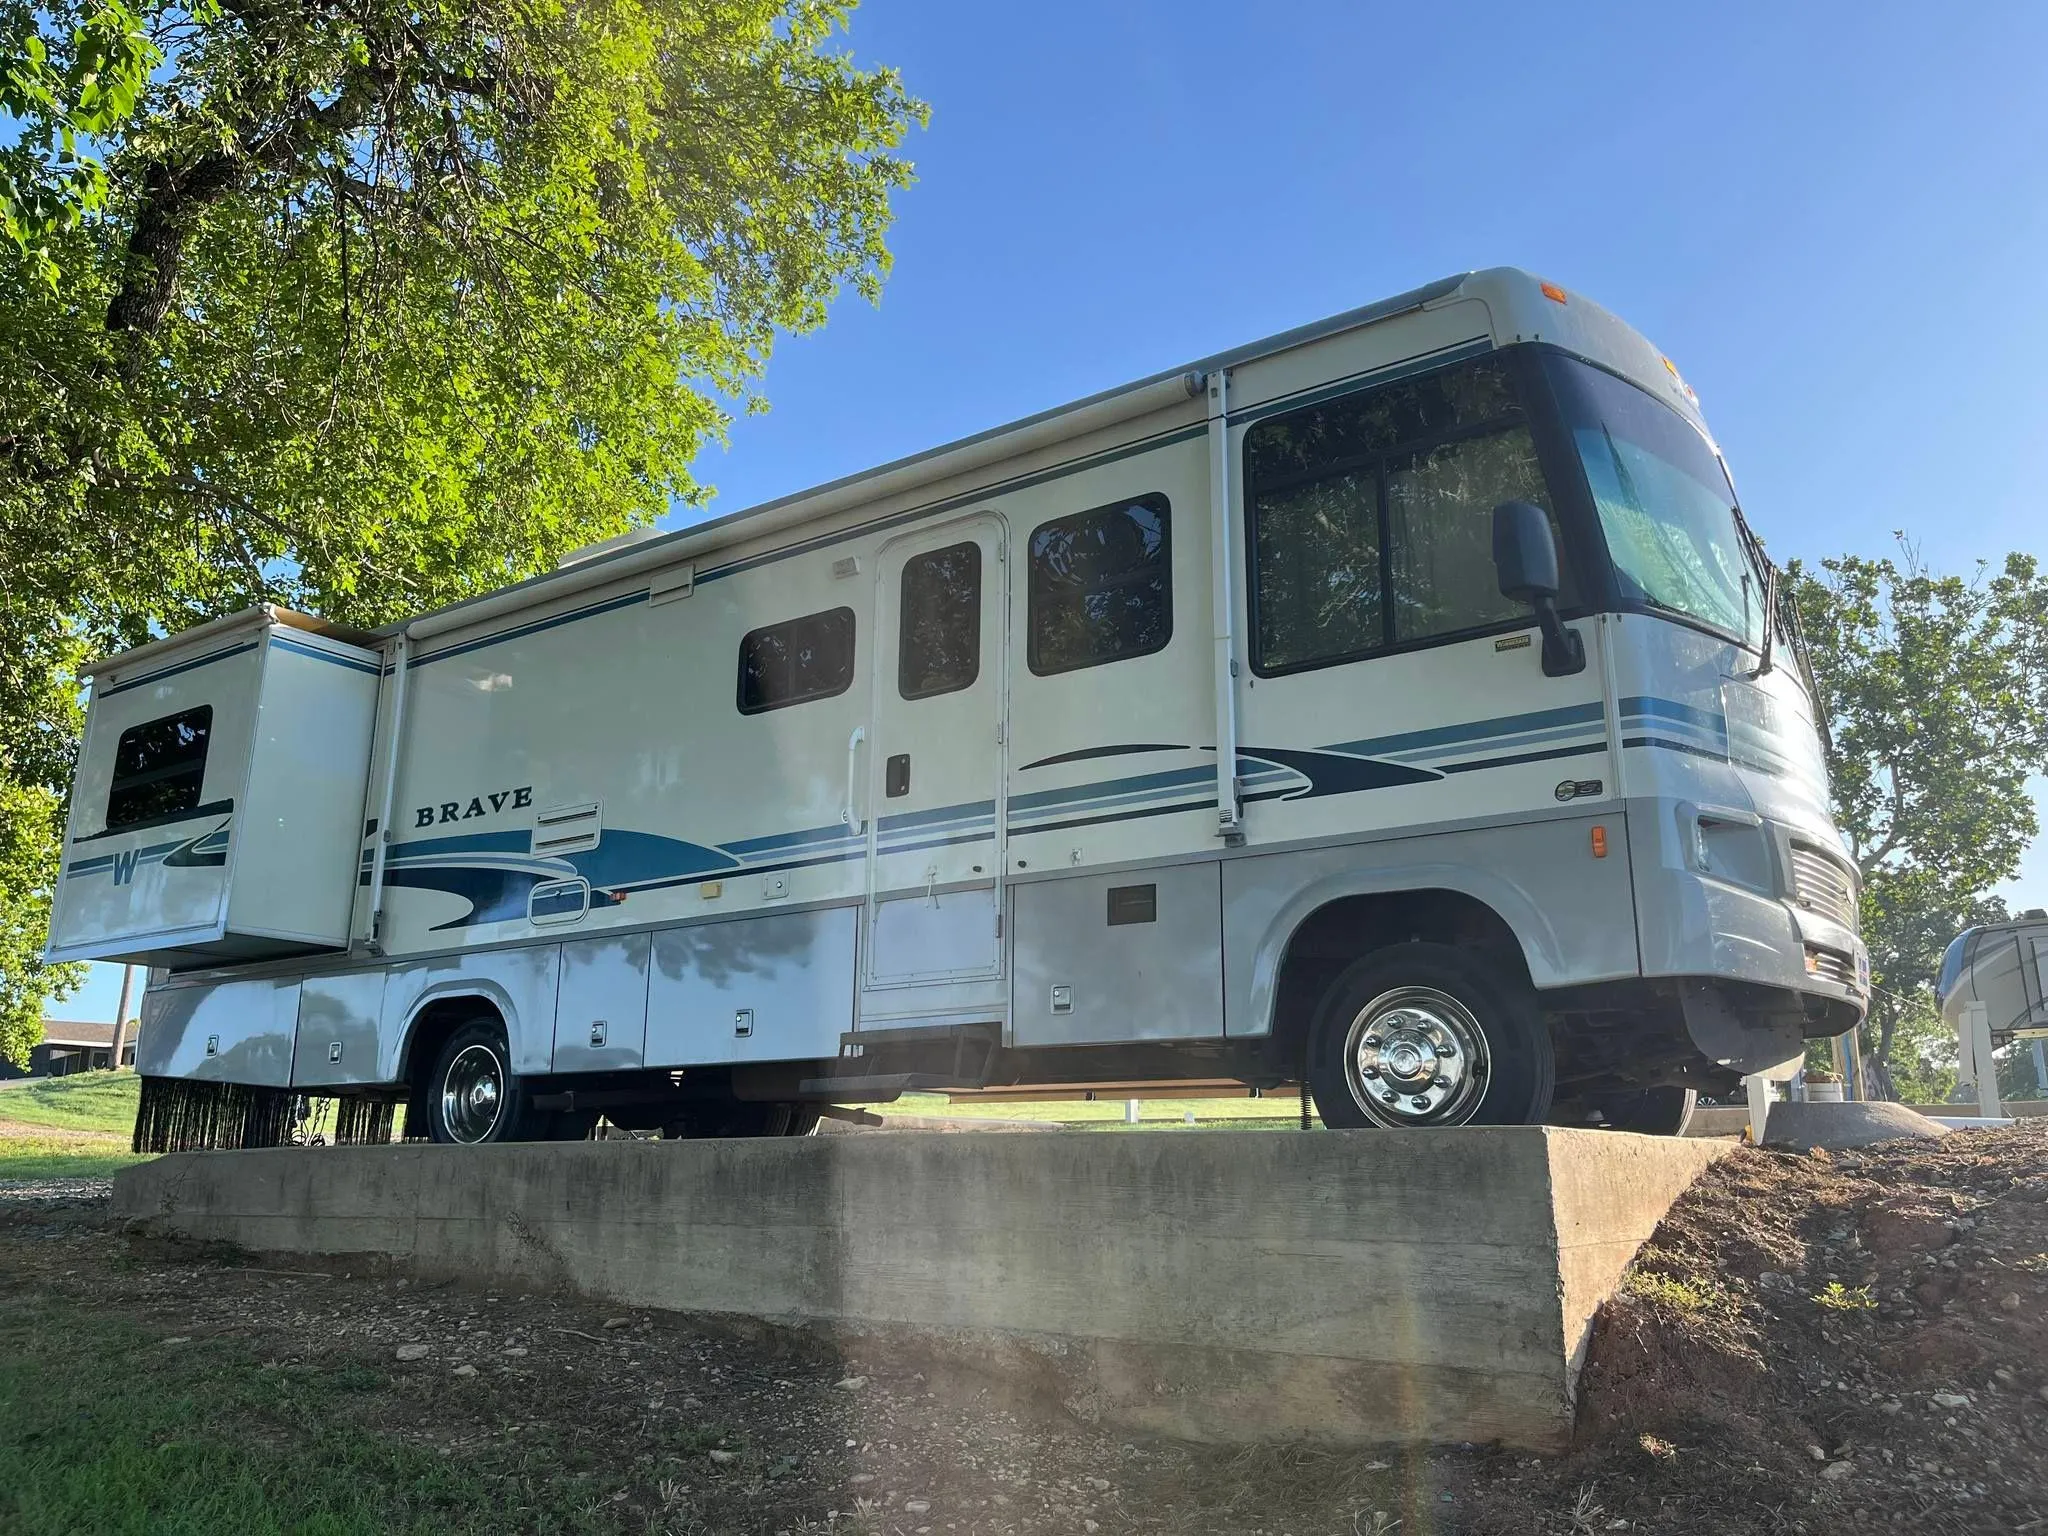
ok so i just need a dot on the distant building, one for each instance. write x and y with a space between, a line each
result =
69 1046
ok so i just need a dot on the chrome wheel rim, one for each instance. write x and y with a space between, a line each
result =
1416 1056
473 1093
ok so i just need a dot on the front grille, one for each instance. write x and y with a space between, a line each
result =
1829 966
1820 884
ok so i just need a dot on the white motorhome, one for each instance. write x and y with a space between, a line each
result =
1400 702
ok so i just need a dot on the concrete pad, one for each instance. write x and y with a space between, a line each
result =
1339 1286
1796 1127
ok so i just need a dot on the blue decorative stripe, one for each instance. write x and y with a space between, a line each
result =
183 666
1475 732
496 870
329 657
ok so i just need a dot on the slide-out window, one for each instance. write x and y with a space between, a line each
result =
796 661
1101 586
938 647
1372 516
159 768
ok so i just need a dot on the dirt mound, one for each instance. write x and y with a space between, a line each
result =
1829 1342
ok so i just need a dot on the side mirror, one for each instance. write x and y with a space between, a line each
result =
1525 560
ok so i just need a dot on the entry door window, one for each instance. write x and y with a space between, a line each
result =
939 642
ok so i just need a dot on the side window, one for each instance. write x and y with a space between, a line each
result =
938 647
1317 558
1101 586
159 768
1440 505
1372 516
796 661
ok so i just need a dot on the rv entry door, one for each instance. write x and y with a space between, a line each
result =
936 756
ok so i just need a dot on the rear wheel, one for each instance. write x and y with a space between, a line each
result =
474 1097
1420 1035
740 1117
1651 1111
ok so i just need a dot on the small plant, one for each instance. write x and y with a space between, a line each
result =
1383 1524
1839 1298
1585 1513
1669 1294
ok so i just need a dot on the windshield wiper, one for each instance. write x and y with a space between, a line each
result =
1760 563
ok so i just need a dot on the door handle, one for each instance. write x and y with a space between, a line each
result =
856 822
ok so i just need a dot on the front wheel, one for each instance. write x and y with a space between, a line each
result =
1419 1035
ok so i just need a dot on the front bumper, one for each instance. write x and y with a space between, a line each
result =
1717 901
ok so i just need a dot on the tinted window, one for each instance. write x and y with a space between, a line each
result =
1101 586
159 768
796 660
938 648
1440 505
1372 515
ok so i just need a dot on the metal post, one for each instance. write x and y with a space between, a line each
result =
121 1019
1852 1078
2040 1068
1130 1111
1975 1028
1223 608
1759 1088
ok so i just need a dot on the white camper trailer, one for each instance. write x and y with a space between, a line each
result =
1401 701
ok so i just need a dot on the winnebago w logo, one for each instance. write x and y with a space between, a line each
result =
124 865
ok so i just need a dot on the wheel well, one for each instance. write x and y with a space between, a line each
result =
431 1028
1334 935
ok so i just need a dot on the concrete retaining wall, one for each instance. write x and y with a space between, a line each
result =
1228 1286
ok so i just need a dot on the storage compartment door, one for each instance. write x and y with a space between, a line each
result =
774 988
235 1032
338 1036
601 1009
1104 958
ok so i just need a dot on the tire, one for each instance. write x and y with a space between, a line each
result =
1451 1035
740 1117
474 1099
1651 1111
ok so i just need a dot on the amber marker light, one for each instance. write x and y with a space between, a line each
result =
1599 842
1551 292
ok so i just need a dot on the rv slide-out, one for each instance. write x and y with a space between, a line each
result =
218 810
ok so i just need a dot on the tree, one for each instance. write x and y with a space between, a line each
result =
378 305
1936 690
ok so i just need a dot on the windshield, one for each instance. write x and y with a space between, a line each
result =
1665 506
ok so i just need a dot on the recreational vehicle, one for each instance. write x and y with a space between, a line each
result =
1398 706
2005 967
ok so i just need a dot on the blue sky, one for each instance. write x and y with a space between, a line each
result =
1831 216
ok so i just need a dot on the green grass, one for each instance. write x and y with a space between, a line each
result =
52 1157
105 1427
1283 1110
86 1101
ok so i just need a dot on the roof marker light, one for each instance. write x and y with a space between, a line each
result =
1552 292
